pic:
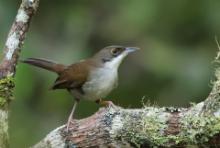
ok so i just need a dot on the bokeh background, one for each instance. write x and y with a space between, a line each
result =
173 68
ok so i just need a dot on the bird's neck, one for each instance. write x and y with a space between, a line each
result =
114 63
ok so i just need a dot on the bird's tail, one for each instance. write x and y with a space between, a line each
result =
45 64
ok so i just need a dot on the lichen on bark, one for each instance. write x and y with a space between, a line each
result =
6 90
199 129
4 129
6 95
143 127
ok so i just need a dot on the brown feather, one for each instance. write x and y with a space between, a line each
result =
74 76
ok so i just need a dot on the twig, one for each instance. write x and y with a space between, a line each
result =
16 37
11 50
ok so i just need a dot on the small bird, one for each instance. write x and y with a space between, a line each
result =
91 79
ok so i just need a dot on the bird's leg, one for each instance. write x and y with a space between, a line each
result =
105 103
71 115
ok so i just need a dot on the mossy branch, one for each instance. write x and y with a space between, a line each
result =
147 127
6 91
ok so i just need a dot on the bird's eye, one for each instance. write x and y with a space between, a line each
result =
115 51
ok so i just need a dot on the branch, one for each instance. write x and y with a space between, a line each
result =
8 64
198 125
16 37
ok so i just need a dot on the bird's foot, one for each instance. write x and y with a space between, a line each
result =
109 104
106 103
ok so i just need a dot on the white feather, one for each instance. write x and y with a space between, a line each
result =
114 64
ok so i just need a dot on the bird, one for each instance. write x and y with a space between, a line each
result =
90 79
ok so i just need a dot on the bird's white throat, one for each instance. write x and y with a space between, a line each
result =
115 62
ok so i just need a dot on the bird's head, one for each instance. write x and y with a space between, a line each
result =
112 56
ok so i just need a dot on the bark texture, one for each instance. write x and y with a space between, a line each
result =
151 126
11 51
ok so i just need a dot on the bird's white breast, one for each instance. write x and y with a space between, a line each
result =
100 83
101 80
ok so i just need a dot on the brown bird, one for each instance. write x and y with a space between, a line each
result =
91 79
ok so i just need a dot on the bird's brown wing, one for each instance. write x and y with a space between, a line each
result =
74 76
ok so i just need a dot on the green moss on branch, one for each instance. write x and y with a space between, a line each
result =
6 90
160 127
199 129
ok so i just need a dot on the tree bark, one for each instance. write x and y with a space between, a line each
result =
11 51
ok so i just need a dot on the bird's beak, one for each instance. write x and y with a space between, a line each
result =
131 49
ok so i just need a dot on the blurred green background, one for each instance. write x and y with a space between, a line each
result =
173 68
